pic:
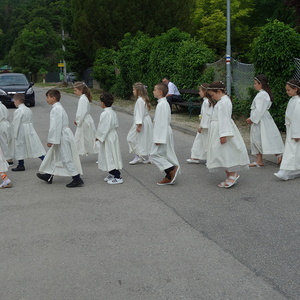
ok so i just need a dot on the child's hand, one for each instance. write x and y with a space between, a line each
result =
139 127
200 130
249 121
49 145
296 139
75 123
157 144
223 140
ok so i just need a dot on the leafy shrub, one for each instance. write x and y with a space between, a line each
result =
104 68
142 58
273 54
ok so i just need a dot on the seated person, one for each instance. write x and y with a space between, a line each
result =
173 93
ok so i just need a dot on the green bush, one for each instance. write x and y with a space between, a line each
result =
104 69
273 54
148 59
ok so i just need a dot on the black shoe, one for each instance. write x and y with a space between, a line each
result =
46 177
18 168
75 183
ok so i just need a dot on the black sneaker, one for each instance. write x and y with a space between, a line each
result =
18 168
75 183
46 177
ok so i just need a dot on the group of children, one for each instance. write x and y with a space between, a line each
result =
218 140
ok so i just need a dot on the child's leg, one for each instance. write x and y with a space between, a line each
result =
6 181
168 172
115 173
20 166
77 181
258 162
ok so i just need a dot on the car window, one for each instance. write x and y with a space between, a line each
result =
13 80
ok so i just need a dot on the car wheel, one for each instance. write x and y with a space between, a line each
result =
32 103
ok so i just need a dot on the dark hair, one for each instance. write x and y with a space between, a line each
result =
263 80
20 97
107 99
162 87
295 85
54 93
84 89
204 88
166 77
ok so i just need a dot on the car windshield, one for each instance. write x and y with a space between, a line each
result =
13 80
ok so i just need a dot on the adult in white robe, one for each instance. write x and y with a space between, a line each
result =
290 165
265 137
62 157
27 144
231 156
6 137
199 148
109 152
141 142
86 130
163 153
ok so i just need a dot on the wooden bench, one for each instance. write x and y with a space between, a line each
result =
191 102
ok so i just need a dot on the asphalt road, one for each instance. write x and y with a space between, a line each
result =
139 240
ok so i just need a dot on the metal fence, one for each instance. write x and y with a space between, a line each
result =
241 75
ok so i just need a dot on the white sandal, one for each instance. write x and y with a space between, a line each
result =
229 184
255 164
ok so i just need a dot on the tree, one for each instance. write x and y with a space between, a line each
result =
273 54
295 4
209 19
103 23
35 47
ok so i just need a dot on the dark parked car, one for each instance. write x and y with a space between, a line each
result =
72 77
12 83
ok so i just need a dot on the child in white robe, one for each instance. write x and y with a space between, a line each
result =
226 148
27 144
290 165
86 130
6 140
6 182
107 140
140 135
199 148
62 157
265 137
163 153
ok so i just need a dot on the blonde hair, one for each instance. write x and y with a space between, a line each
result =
84 89
141 91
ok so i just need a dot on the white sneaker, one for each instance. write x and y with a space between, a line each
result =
6 184
136 160
109 177
193 161
115 181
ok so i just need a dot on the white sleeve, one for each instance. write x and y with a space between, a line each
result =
259 106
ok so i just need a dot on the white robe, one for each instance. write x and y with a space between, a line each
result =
290 165
109 152
86 130
232 155
3 162
163 155
27 144
141 142
199 148
62 158
265 137
6 137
